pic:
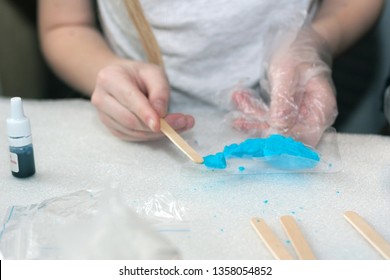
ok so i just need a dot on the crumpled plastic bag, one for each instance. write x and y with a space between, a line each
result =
163 211
82 225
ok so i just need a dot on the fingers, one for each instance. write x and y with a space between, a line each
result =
179 123
157 88
253 127
119 120
251 115
314 111
131 100
286 96
113 109
322 97
124 85
125 125
318 111
245 101
126 133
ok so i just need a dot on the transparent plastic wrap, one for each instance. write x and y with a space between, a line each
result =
295 96
82 225
163 211
294 104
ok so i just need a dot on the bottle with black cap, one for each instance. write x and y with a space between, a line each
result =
20 141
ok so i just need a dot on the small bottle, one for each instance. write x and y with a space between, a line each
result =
20 141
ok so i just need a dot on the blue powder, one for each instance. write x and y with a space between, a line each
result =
215 161
241 168
279 151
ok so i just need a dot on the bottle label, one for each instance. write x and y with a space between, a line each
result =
14 162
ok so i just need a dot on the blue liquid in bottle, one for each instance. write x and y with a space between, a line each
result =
24 161
20 141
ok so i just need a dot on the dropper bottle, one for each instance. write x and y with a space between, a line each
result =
20 141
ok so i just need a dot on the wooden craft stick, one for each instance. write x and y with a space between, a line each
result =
368 232
271 241
153 53
298 241
180 142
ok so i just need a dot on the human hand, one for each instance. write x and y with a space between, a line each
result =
302 96
303 102
131 97
250 113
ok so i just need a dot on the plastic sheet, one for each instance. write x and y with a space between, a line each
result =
82 225
163 211
327 149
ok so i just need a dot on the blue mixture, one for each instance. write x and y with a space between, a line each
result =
279 151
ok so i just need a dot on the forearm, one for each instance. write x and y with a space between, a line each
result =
342 22
76 54
72 45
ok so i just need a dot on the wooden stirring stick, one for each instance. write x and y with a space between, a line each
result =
153 53
180 142
297 239
271 241
368 232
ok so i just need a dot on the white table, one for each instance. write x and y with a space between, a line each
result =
74 151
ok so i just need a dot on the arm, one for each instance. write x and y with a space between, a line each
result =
71 43
302 95
130 96
342 22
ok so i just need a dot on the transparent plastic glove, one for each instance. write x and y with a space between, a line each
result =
302 95
303 101
250 113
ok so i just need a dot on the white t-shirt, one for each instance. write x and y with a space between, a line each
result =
207 45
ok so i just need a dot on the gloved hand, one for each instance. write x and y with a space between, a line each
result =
302 95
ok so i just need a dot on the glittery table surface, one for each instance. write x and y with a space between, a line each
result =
74 151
